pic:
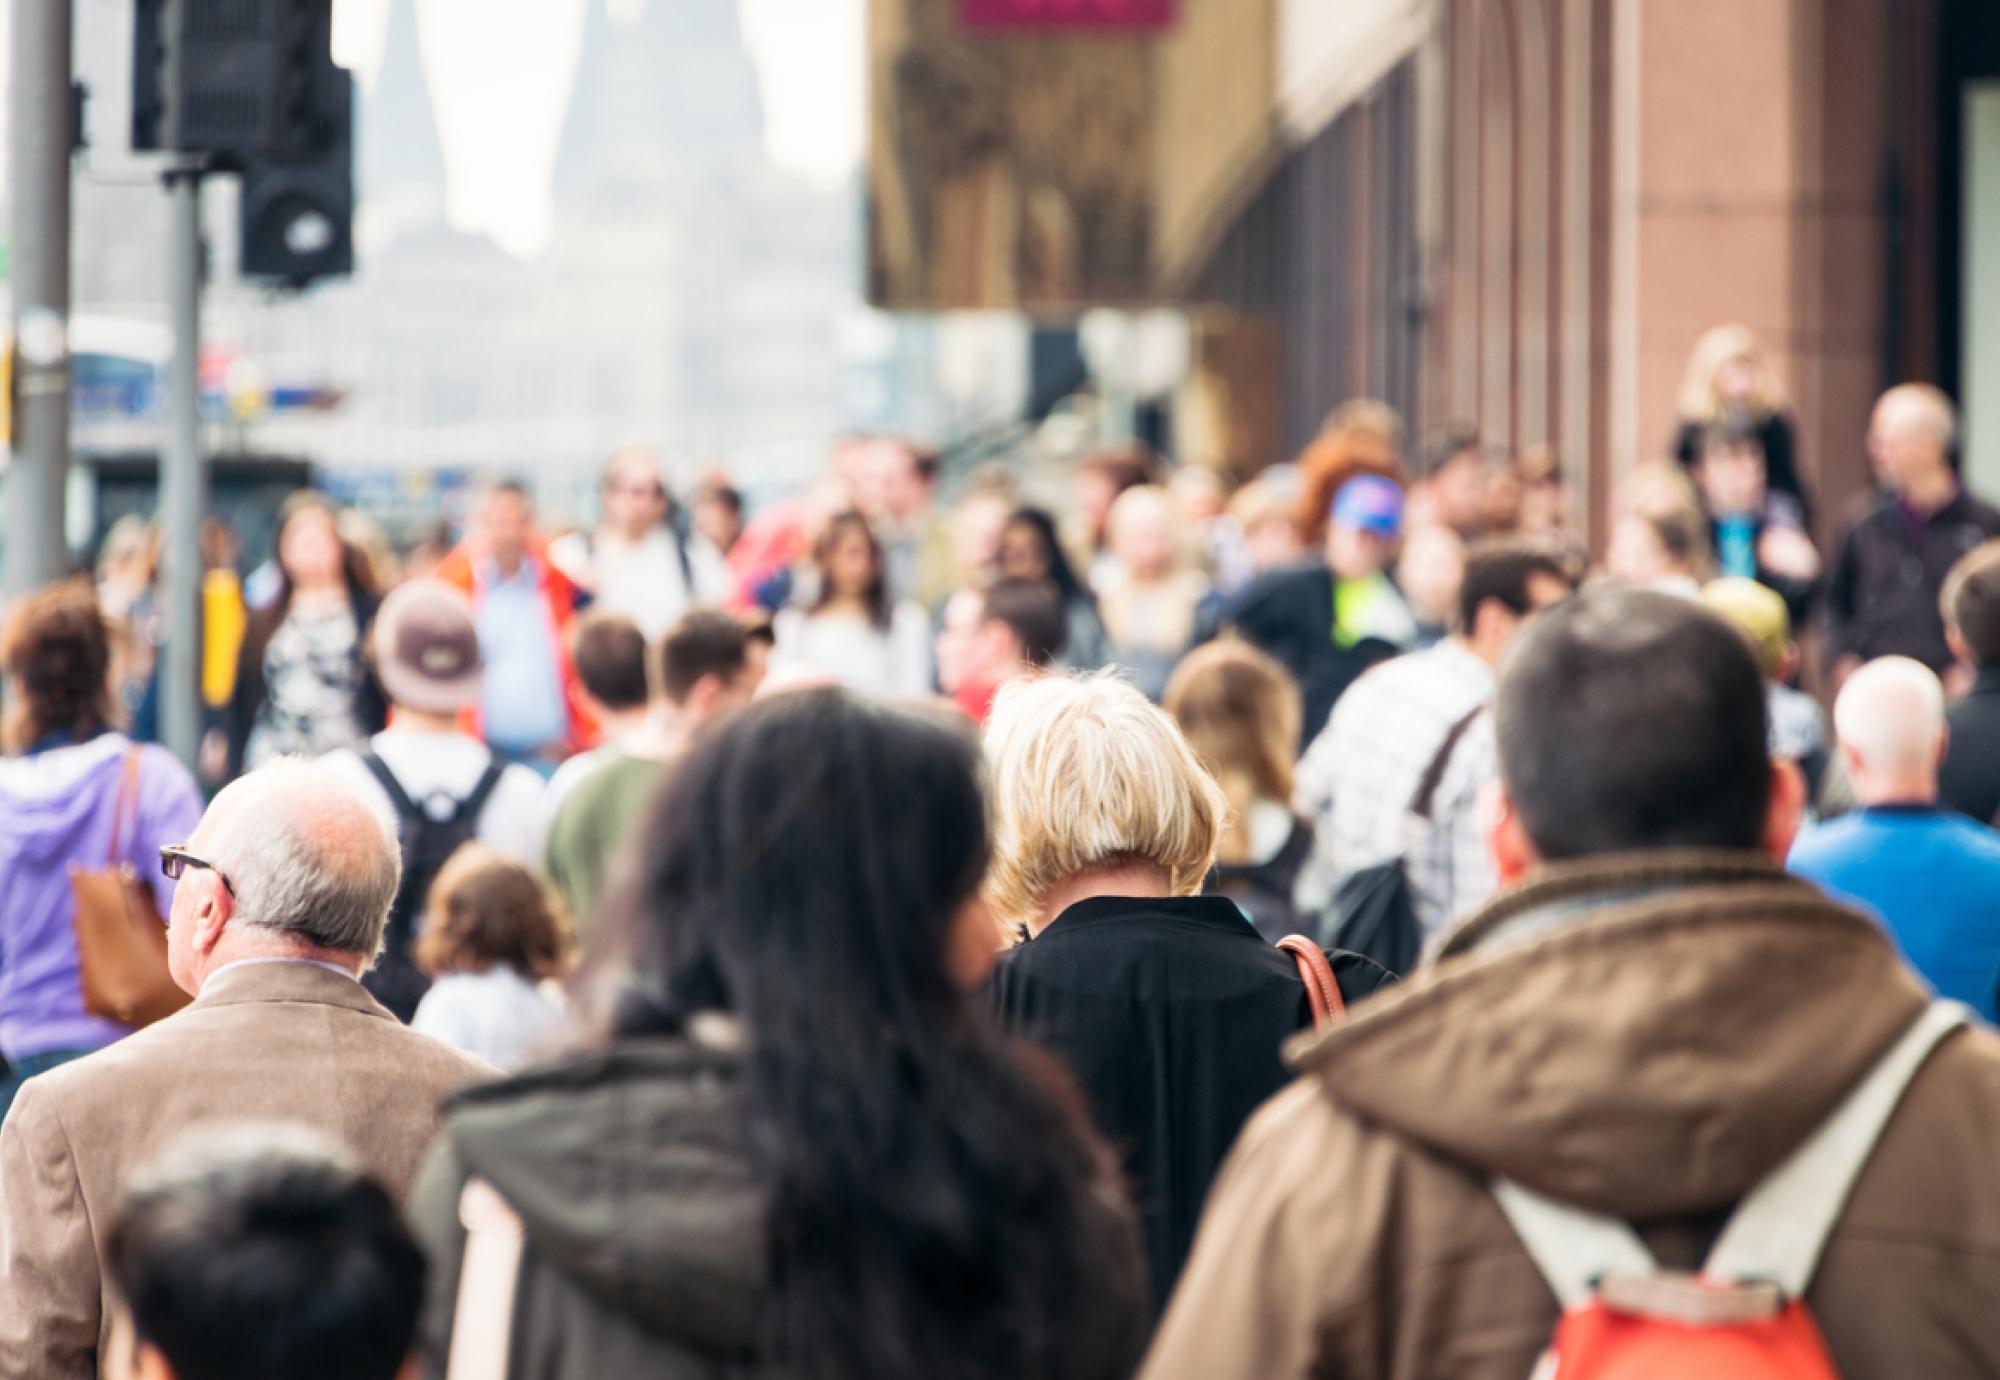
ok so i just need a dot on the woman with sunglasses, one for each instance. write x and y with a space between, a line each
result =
74 792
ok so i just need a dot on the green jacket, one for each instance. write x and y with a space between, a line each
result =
591 828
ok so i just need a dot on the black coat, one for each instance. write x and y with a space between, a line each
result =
1289 614
1970 781
1171 1014
1882 594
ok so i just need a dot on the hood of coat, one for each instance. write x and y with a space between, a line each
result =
1644 1037
630 1170
50 799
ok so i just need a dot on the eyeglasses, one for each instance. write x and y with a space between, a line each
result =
174 860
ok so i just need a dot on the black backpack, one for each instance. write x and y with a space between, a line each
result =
1374 909
428 840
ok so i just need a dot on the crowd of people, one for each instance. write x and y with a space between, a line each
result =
937 925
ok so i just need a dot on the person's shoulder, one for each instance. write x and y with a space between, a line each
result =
1985 514
1969 836
428 1065
1829 841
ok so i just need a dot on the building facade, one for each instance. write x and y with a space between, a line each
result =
1522 213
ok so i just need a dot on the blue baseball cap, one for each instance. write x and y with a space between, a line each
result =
1370 503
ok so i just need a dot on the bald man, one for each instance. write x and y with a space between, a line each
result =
280 900
1929 873
1882 594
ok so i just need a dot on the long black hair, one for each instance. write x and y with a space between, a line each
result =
1061 572
805 869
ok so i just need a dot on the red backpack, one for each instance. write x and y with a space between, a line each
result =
1743 1317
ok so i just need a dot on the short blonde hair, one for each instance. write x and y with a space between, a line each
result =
1087 773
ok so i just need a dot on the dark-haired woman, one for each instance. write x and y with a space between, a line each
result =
797 1151
303 683
851 632
1030 549
73 790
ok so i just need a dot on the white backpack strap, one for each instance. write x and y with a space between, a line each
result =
1572 1249
482 1326
1778 1232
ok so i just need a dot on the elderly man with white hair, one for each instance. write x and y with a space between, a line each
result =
279 907
1882 593
1932 875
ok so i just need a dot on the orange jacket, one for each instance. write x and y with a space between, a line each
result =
461 570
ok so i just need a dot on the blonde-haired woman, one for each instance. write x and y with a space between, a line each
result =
1149 593
1166 1005
1729 373
1240 713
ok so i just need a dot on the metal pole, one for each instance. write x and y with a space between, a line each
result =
40 157
182 478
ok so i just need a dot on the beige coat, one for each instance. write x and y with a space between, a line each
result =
288 1042
1644 1038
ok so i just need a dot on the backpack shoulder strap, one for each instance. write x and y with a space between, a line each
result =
1433 777
1573 1249
386 779
681 554
1781 1228
489 1273
469 808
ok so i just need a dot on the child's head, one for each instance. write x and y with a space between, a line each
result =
1730 466
485 909
252 1252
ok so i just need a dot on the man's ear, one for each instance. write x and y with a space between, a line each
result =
211 915
1513 854
1787 811
413 1369
151 1365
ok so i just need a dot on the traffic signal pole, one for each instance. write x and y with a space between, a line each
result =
39 155
183 477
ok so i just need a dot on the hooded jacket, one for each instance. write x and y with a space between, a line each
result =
1646 1038
645 1251
56 809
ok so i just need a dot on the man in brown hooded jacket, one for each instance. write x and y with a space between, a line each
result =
1643 1026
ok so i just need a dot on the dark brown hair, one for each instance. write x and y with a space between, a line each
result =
1971 603
876 596
360 580
56 647
1033 612
486 909
703 643
1500 568
610 655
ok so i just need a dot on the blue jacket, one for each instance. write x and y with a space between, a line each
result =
1933 878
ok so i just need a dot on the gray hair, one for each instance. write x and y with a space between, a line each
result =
310 856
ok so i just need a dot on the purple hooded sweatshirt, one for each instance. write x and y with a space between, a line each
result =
55 809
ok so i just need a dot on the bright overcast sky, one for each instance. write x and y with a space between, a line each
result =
499 137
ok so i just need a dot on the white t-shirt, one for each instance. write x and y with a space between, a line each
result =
498 1015
867 660
448 766
643 580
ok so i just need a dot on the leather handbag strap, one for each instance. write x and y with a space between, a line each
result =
128 800
1317 974
482 1324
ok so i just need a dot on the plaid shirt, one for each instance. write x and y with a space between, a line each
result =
1357 780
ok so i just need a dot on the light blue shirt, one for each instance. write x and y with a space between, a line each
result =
522 700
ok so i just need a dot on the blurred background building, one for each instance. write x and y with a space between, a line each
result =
651 220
